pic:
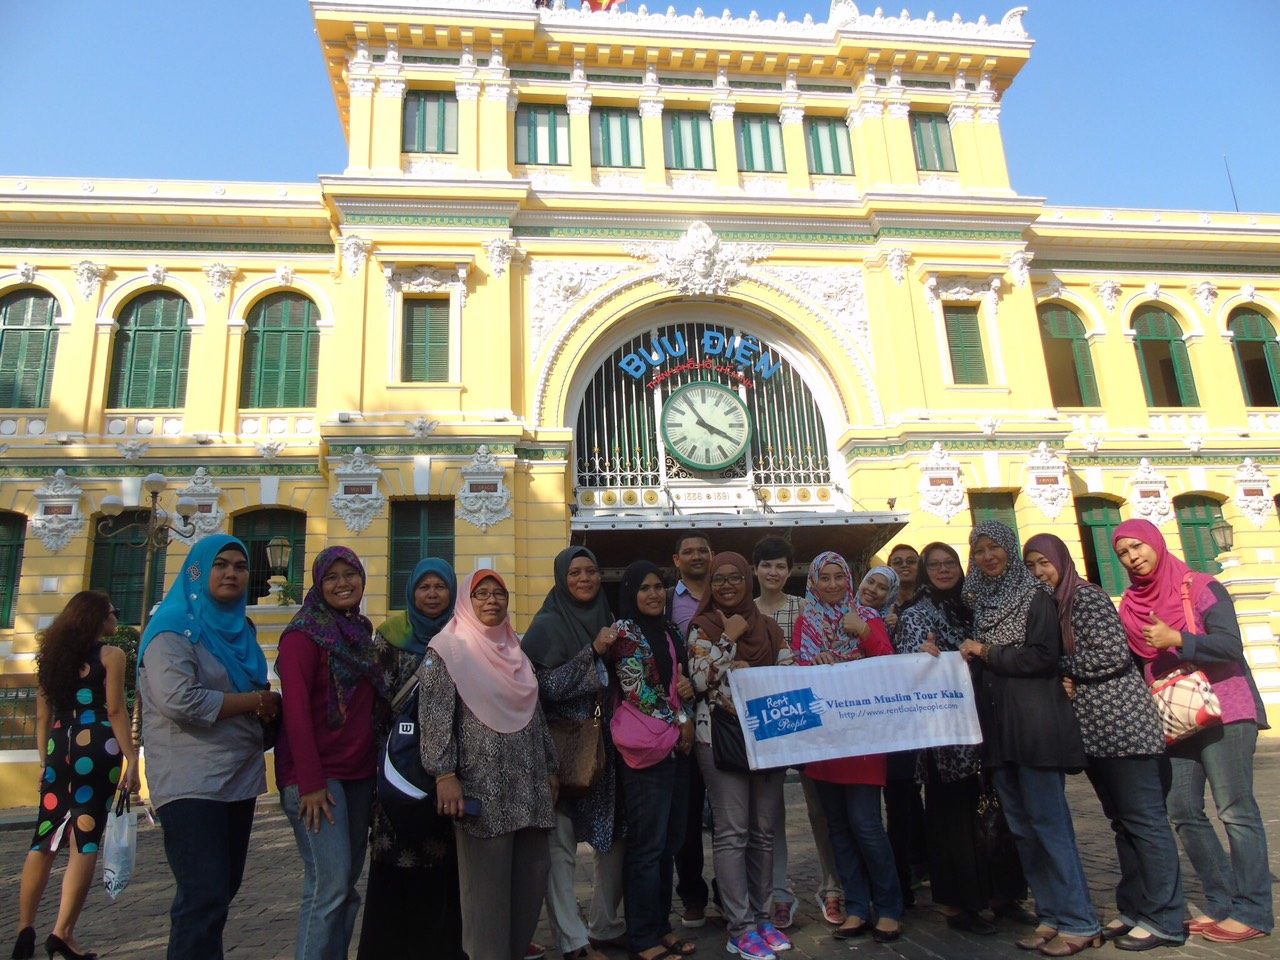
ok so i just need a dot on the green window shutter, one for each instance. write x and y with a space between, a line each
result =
13 533
1084 373
616 138
688 143
1182 370
759 140
150 353
1067 357
993 506
964 340
281 354
425 356
1097 520
931 135
1162 359
827 144
28 348
430 122
118 565
1257 357
418 529
542 135
1196 514
255 530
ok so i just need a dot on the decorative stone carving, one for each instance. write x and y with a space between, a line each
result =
484 500
832 189
220 276
1151 500
989 425
899 109
723 110
692 183
133 449
270 449
764 187
208 518
541 178
88 276
1153 290
423 428
355 250
1205 293
866 110
1047 485
650 107
962 289
942 490
722 73
1109 291
391 87
699 263
959 113
557 286
1253 493
429 280
1249 292
156 273
989 113
618 182
497 91
839 292
937 183
26 272
284 276
58 516
358 501
579 106
1194 443
790 85
1020 266
500 251
897 258
1091 443
466 91
791 113
1054 289
360 86
430 166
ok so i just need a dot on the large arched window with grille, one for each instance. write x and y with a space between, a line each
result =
1253 339
255 529
150 352
1162 359
28 348
1066 357
281 353
1098 519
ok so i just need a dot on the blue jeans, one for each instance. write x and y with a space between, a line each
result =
864 856
655 800
1035 807
332 858
1239 887
205 842
1132 792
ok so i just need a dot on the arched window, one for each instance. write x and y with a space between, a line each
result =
1257 357
1066 357
1163 360
150 352
1196 514
13 534
281 353
1098 520
28 347
119 565
255 530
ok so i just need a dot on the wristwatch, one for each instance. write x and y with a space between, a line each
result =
682 717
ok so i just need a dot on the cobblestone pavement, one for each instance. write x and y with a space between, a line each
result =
263 917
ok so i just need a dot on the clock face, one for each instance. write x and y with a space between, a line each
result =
705 426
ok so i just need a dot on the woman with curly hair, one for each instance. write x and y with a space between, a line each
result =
82 730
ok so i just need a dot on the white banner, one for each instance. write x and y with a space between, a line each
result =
792 715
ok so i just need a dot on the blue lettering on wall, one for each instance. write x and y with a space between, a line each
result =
742 352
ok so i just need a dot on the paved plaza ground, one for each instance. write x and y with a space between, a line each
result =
263 917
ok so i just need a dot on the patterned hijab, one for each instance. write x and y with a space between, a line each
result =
1000 604
1070 582
564 625
950 603
222 628
1159 591
655 628
345 635
890 575
821 630
759 646
423 627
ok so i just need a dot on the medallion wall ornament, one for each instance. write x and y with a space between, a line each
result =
942 489
484 500
157 274
1047 488
26 272
500 251
133 449
284 276
1109 291
1253 493
88 276
355 250
1151 500
558 286
58 516
358 501
897 259
1020 266
270 449
208 518
1205 293
422 428
699 264
220 276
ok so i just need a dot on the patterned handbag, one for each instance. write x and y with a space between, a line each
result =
1184 696
580 747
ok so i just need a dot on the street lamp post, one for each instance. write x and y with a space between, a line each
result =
279 553
155 530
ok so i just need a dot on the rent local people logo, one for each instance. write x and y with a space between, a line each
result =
792 711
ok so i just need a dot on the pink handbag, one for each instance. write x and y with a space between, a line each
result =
642 740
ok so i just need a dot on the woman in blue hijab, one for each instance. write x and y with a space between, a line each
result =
205 699
413 881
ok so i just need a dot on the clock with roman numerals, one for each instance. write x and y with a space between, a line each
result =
705 425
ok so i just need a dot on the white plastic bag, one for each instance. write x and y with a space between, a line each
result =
119 847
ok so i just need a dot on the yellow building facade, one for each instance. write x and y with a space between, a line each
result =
602 277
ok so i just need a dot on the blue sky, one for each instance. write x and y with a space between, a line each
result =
1124 102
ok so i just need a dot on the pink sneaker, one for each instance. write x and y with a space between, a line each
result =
771 935
832 910
751 946
534 952
784 914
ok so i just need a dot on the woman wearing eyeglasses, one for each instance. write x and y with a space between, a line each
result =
486 741
728 632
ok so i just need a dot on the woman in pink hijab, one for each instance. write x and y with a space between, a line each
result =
1162 636
486 740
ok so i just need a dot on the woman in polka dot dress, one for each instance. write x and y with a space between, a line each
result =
82 727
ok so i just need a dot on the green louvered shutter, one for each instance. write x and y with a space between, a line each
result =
1196 515
964 341
992 506
13 533
1066 351
1182 370
150 353
425 357
1097 520
419 528
28 348
1084 373
281 354
1162 360
1257 357
118 566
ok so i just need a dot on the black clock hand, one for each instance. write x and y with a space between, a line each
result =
717 431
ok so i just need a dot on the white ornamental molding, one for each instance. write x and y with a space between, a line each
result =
209 517
429 280
897 258
722 78
989 113
699 263
393 52
617 182
498 92
959 113
764 187
1153 290
484 500
1092 442
692 183
1253 493
270 449
358 501
466 91
220 276
791 113
839 293
899 109
937 183
391 87
422 428
1205 293
961 290
542 178
866 110
579 74
468 56
989 425
1047 481
361 86
428 167
500 251
558 286
156 273
88 276
1249 292
284 276
1109 291
942 490
133 449
58 516
1150 499
579 106
1194 443
355 250
829 188
650 108
1020 266
723 110
26 272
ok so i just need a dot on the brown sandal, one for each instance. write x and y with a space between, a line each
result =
1036 940
1068 946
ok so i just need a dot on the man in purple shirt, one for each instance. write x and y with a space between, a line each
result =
693 562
